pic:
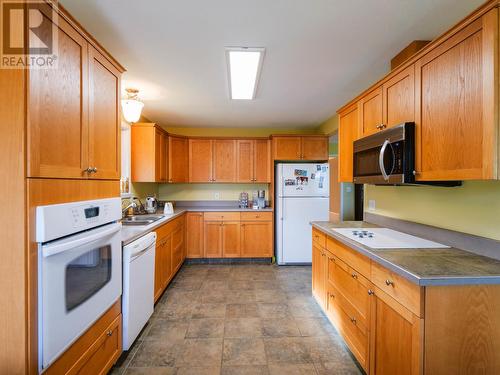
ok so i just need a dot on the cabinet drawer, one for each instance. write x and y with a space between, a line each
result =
319 238
177 237
344 317
406 293
222 216
355 260
352 285
256 216
166 229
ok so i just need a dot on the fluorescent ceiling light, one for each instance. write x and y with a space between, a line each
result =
244 65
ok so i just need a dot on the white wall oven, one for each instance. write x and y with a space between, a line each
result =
79 270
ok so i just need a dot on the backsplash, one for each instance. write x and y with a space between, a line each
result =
473 208
207 192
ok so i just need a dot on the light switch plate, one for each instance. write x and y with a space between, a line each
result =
217 196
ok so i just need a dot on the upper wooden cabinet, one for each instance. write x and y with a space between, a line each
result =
348 132
253 160
224 162
200 160
457 115
73 112
448 89
300 147
178 159
149 145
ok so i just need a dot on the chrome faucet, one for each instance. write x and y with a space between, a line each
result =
139 207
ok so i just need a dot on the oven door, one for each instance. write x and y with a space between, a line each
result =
80 277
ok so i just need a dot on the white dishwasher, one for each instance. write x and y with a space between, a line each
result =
138 286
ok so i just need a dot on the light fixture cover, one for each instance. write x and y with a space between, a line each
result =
132 109
244 65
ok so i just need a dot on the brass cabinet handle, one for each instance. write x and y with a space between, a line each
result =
389 282
354 276
353 320
88 170
109 333
94 170
370 292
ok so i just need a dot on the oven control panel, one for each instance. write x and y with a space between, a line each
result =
59 220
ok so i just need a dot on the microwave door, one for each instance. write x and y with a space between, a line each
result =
386 160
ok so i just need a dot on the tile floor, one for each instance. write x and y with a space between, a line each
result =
238 319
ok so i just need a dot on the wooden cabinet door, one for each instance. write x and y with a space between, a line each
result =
287 148
200 160
396 337
456 86
314 148
320 262
194 237
104 117
231 239
262 161
57 141
245 160
224 167
178 159
177 248
399 98
371 112
160 156
167 270
257 239
348 132
213 239
159 267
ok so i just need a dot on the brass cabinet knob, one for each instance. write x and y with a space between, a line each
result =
353 320
109 333
354 276
370 292
389 282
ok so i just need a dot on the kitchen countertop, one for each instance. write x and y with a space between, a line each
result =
425 267
132 232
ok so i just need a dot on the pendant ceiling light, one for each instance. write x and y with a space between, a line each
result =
132 106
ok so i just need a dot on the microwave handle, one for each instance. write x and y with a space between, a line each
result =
381 160
49 250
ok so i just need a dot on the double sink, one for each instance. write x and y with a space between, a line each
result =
141 219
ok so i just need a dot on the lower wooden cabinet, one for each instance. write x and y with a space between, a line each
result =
169 254
257 239
382 316
213 239
195 236
231 239
96 350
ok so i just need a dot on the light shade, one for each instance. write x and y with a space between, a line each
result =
131 109
244 66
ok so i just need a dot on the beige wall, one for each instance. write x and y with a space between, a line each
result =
193 192
329 126
473 208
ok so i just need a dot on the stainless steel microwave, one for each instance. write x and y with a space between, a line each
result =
387 157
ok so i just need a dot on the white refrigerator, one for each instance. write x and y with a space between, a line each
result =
302 195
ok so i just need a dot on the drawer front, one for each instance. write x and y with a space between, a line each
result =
355 260
406 293
177 236
256 216
354 286
222 216
166 229
344 318
319 238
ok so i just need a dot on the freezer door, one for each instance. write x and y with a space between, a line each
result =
303 180
294 232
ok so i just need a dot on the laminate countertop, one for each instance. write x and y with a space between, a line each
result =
131 233
424 267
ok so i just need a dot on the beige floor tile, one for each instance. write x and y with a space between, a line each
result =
245 370
205 328
242 327
200 353
297 369
244 352
242 310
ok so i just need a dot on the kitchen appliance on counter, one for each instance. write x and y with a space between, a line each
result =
243 200
261 199
151 205
302 196
384 238
168 209
388 158
138 286
79 270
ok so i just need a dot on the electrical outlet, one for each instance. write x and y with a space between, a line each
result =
217 196
371 204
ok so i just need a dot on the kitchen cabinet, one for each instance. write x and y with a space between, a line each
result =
149 145
396 338
178 159
200 160
104 117
257 239
231 239
253 161
169 253
348 133
195 236
73 112
224 154
213 239
300 147
457 137
319 263
399 98
370 110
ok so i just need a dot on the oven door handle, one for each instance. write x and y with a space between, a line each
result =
381 160
53 249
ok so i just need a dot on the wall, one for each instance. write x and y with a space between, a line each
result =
190 192
473 208
329 126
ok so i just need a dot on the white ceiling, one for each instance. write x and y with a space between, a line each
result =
319 53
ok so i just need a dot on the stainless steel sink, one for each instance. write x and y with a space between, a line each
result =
141 219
